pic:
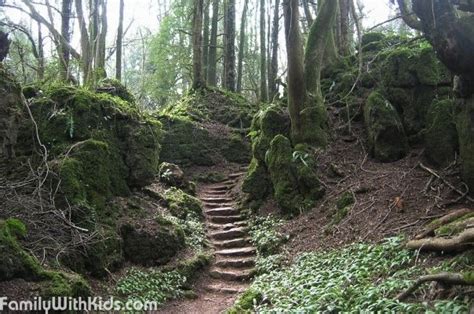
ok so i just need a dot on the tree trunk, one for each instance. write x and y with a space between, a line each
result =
40 54
294 51
307 13
102 35
86 58
272 79
229 46
212 63
119 42
263 55
66 34
243 24
344 42
4 45
205 45
198 78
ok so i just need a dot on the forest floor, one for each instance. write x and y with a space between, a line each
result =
389 199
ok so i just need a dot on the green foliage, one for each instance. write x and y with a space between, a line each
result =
361 277
193 228
264 235
246 302
150 285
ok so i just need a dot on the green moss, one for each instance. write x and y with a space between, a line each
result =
464 126
295 183
60 284
181 204
314 121
190 268
441 140
469 277
386 137
115 88
373 41
245 303
257 182
346 199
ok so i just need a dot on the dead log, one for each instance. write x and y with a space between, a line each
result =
457 243
430 229
448 279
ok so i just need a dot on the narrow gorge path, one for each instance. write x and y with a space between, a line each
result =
233 264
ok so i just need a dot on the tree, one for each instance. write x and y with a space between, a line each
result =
272 78
198 78
263 53
344 27
66 34
307 113
205 38
119 43
212 63
229 46
449 26
243 39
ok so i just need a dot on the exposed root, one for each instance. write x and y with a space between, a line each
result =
429 231
447 279
457 243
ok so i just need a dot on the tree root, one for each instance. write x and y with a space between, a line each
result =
443 278
443 221
457 243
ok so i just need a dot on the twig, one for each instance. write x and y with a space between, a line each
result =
452 187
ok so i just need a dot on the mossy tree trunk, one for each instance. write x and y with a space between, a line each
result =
66 33
305 100
198 77
118 52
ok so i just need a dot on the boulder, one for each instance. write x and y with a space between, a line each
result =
152 244
172 175
386 137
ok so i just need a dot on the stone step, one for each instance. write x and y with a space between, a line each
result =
232 243
236 175
211 193
243 251
218 205
243 262
225 288
225 219
228 234
231 274
227 226
216 199
222 211
223 187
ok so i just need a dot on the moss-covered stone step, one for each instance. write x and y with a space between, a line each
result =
222 211
225 219
228 226
242 262
228 234
245 251
233 274
233 243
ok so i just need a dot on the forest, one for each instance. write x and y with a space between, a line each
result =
223 156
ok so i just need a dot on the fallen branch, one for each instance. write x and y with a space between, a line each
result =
432 172
460 242
443 278
443 221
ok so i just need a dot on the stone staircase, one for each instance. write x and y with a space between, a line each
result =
234 262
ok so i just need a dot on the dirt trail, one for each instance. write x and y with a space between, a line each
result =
234 256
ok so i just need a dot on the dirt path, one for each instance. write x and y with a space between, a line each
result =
234 256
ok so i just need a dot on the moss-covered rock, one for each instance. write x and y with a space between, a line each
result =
386 137
153 243
465 129
181 204
257 182
172 175
17 263
373 41
115 88
292 172
245 303
441 138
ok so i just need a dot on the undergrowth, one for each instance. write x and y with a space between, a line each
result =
194 232
151 285
361 277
